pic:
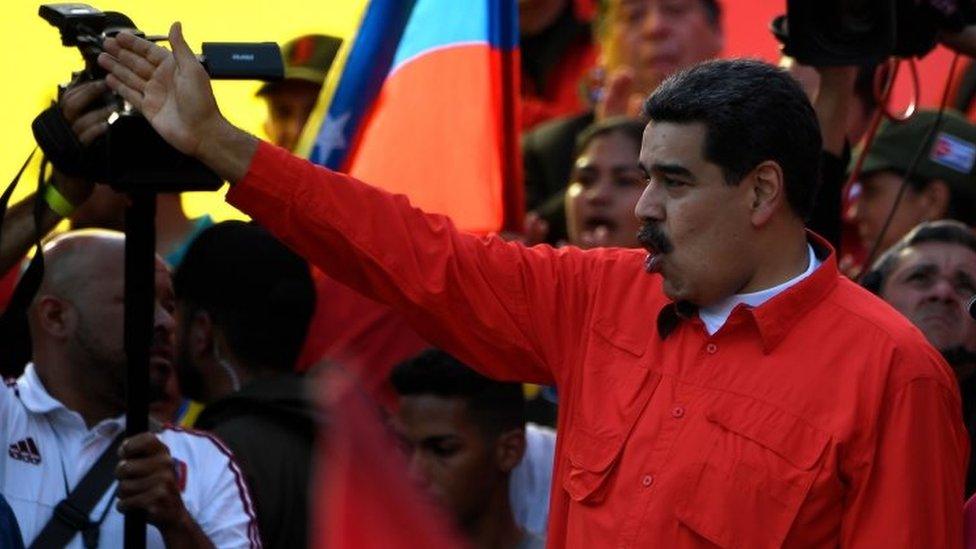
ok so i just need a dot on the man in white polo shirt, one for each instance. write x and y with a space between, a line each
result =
66 409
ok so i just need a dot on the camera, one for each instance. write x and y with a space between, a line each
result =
861 32
131 155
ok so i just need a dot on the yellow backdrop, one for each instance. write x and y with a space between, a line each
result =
34 62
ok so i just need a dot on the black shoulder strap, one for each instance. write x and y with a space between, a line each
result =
71 514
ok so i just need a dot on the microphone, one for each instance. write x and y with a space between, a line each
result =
972 307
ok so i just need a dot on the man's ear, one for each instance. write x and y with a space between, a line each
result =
767 192
56 316
937 196
200 335
509 449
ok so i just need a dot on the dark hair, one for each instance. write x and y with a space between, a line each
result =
257 291
752 112
944 230
494 406
631 128
962 204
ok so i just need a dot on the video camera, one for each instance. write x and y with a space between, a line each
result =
131 155
860 32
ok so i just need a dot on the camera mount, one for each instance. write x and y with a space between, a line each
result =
134 159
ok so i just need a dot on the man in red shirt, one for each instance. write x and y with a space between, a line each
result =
729 388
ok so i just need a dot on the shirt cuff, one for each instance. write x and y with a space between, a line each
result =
268 185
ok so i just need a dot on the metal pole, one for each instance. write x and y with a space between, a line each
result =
140 259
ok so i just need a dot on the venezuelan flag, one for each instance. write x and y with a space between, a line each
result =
422 101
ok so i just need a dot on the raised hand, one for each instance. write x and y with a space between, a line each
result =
171 89
619 98
87 123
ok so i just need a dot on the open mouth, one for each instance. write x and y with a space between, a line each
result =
656 244
652 263
596 222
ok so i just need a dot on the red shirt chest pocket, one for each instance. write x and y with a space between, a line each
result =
613 387
591 460
752 476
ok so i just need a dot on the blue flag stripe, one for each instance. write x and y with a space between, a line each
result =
366 68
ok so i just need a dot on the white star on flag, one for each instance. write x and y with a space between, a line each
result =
332 137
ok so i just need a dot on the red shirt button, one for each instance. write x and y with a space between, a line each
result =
647 480
677 412
711 348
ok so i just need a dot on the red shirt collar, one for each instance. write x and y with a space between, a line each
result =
775 318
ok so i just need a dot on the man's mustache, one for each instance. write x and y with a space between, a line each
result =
651 236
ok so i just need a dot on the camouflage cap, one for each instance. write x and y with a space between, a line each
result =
307 58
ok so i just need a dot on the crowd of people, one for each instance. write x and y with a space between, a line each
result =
708 334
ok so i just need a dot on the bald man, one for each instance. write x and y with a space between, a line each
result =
67 408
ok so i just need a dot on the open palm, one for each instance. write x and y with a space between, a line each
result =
171 89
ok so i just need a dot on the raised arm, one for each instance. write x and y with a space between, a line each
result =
481 299
19 232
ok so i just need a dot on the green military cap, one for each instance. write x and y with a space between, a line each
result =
951 155
307 58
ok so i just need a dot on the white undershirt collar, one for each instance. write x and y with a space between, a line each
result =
714 316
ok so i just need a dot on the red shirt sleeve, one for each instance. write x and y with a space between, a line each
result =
918 473
497 305
350 329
